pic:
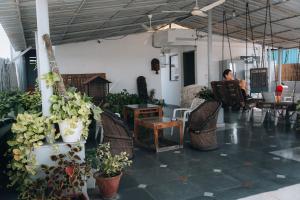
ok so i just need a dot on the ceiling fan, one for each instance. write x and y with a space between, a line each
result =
149 28
197 11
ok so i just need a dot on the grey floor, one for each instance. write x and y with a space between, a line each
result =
242 166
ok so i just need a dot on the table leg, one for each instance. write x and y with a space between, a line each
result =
181 132
160 113
156 139
135 117
125 115
136 132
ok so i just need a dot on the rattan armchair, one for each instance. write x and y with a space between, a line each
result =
116 133
202 125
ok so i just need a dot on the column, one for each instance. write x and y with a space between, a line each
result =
43 61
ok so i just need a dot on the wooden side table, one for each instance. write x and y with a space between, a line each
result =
157 124
143 110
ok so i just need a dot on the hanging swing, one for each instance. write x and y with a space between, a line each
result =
258 75
228 92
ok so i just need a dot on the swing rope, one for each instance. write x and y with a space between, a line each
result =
296 74
251 29
225 26
228 39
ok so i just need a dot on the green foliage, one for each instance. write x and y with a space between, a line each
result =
73 107
29 132
51 78
115 102
205 93
66 177
14 102
110 165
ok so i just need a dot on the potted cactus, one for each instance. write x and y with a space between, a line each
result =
109 170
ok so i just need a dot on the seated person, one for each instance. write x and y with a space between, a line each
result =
228 76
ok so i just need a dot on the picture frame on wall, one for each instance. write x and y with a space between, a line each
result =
174 68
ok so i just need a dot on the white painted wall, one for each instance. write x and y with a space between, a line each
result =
238 48
125 59
171 90
122 60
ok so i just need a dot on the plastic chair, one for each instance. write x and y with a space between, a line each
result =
186 111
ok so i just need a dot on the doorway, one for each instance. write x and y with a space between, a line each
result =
189 68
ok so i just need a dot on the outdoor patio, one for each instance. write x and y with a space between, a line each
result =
149 100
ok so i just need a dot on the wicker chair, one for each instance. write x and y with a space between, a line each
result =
117 134
229 93
202 125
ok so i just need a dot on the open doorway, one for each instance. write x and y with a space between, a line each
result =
189 68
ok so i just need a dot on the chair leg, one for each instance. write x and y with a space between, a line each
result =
249 115
173 118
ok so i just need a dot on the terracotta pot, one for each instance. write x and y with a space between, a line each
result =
108 187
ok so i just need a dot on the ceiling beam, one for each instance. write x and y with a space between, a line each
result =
244 13
20 22
111 28
73 17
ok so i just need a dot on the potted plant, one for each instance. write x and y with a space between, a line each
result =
206 94
72 113
64 180
29 132
109 170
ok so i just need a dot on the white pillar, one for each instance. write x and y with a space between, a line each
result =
209 47
279 65
43 61
269 52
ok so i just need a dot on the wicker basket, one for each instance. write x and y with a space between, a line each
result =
203 125
206 140
117 134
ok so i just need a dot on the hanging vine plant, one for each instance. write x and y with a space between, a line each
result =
29 132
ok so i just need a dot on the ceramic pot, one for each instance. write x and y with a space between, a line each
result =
65 127
108 187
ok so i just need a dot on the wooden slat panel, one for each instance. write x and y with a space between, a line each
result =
290 72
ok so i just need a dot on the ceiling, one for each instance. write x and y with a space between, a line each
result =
81 20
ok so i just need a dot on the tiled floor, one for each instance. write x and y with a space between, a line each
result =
241 167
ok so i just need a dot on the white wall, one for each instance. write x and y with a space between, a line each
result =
238 48
171 90
125 59
122 60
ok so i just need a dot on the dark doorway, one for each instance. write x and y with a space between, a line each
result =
31 69
189 68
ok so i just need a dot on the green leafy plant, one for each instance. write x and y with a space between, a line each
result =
73 107
29 132
109 165
14 102
63 180
51 78
115 102
205 93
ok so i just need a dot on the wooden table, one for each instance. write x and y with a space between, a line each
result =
141 110
157 124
